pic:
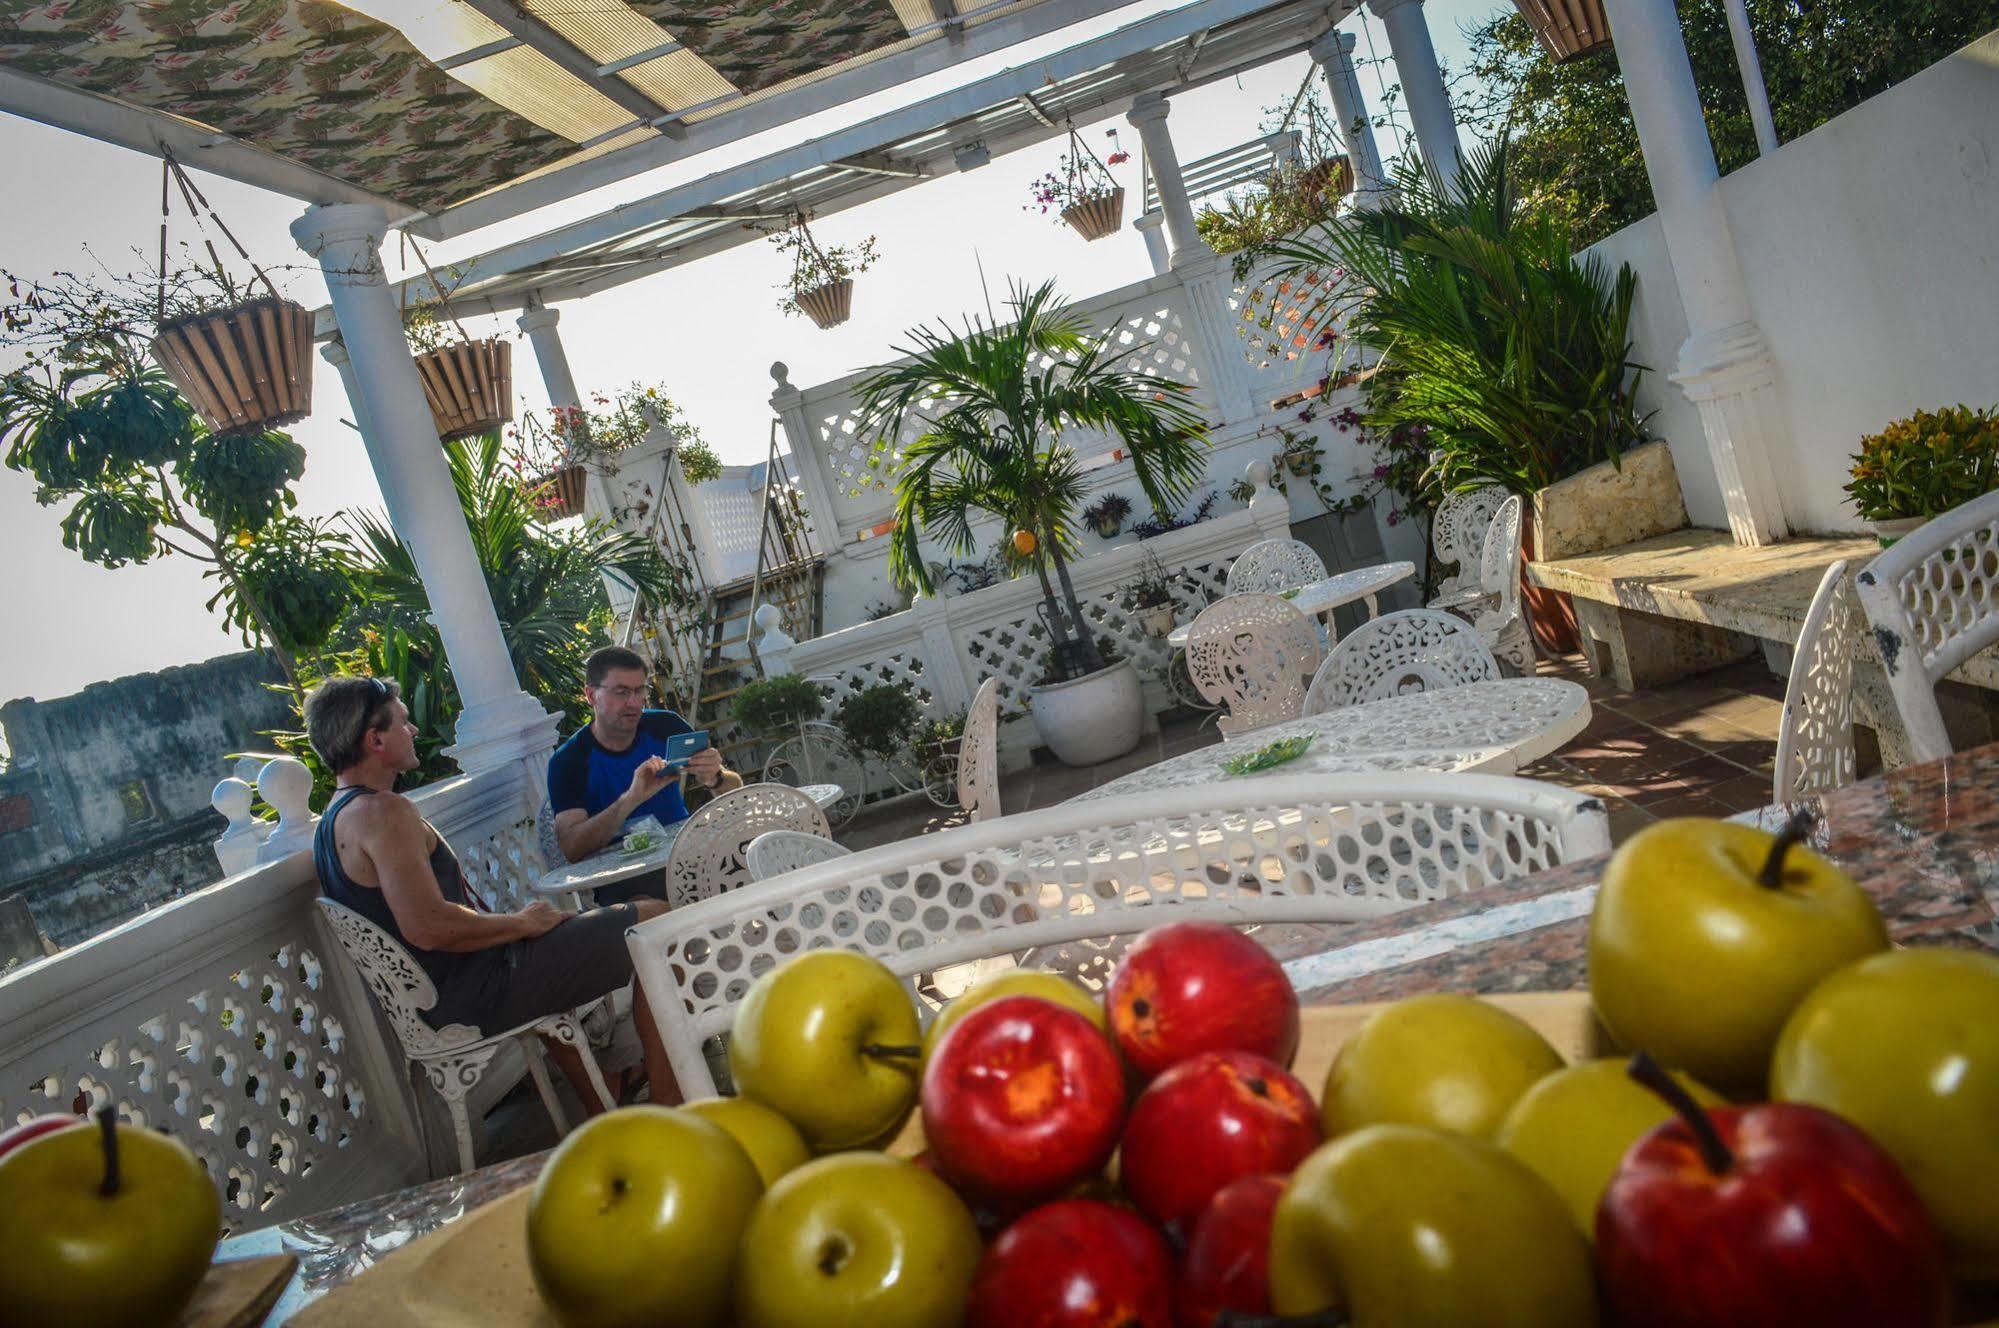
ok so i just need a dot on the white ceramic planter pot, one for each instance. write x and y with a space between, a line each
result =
1891 530
1093 718
1157 621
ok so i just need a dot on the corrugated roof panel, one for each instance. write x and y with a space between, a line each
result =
604 30
681 79
533 86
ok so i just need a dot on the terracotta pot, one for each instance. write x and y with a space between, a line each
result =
469 385
1098 215
1551 614
245 369
829 305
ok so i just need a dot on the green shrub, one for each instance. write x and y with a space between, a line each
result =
881 720
1926 464
771 705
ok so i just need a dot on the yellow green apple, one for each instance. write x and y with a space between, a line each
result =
1016 982
857 1238
1906 1046
1574 1127
773 1143
1706 935
1418 1228
830 1041
636 1218
108 1227
1447 1061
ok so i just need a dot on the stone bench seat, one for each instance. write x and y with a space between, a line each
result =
1658 610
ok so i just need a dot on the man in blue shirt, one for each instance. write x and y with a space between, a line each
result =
615 768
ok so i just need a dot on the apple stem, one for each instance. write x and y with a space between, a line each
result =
1793 833
1708 1139
1326 1318
891 1049
107 1124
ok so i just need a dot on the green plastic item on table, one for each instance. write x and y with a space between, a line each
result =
1269 756
1292 593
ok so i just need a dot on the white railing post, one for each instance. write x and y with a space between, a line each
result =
774 644
1206 285
286 785
236 847
1268 508
808 461
941 663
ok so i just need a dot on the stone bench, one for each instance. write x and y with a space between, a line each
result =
1660 609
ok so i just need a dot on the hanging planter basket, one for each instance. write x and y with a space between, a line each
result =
560 494
1098 215
246 369
470 386
1568 29
829 305
1331 175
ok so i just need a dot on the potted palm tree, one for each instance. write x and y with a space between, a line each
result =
993 442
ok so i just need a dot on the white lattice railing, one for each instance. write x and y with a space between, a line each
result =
231 1020
941 650
733 510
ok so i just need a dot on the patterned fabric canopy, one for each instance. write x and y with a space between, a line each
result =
334 90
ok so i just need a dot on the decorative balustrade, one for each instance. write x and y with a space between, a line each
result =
231 1020
941 650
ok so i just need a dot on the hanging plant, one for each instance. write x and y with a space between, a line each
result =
469 384
243 362
1082 191
822 278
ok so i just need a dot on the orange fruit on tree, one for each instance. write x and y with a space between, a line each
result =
1024 543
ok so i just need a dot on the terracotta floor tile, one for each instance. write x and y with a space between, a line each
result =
1668 701
1688 804
1628 822
1743 793
1696 776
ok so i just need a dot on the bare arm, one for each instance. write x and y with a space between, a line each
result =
579 835
391 834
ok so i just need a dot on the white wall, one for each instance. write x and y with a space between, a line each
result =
1871 249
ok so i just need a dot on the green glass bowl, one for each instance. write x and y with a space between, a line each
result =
1269 756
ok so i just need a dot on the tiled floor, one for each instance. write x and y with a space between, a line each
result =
1703 747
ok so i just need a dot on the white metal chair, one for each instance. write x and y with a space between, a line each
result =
775 852
1459 538
1415 650
454 1057
1253 653
710 854
978 755
1269 850
1815 736
1496 612
1273 565
1933 601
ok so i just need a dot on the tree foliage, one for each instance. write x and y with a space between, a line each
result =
1576 149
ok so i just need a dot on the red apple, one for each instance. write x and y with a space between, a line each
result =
1190 987
1209 1120
1758 1217
1074 1264
1022 1100
1227 1264
34 1128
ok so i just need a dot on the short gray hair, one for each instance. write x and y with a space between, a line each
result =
342 711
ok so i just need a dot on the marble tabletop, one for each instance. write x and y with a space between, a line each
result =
1328 593
1924 841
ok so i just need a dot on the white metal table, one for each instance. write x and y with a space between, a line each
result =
1318 598
611 864
1495 727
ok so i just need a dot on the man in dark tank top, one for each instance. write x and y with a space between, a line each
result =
377 855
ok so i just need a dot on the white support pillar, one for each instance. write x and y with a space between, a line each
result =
1422 87
1753 89
1726 366
499 721
1148 115
538 323
1333 53
1151 227
334 353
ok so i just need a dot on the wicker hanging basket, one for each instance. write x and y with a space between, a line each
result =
560 494
1098 215
246 369
1332 175
1568 29
829 305
470 386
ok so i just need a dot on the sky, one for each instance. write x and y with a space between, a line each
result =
707 332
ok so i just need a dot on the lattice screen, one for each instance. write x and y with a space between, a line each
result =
504 866
902 668
1281 322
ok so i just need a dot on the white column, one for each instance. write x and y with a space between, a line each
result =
808 463
1148 115
1726 367
1422 87
499 721
335 353
1151 227
538 322
1753 89
1333 53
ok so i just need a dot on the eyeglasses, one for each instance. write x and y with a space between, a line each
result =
624 693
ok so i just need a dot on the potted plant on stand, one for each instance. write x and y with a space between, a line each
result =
998 447
1106 515
1082 191
821 285
1923 466
1150 596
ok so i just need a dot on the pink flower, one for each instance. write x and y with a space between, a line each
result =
1381 472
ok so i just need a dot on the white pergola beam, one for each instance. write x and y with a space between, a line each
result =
772 112
196 146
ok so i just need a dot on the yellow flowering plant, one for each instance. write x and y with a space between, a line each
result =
1926 464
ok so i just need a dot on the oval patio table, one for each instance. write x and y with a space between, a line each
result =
1317 598
1495 727
611 864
